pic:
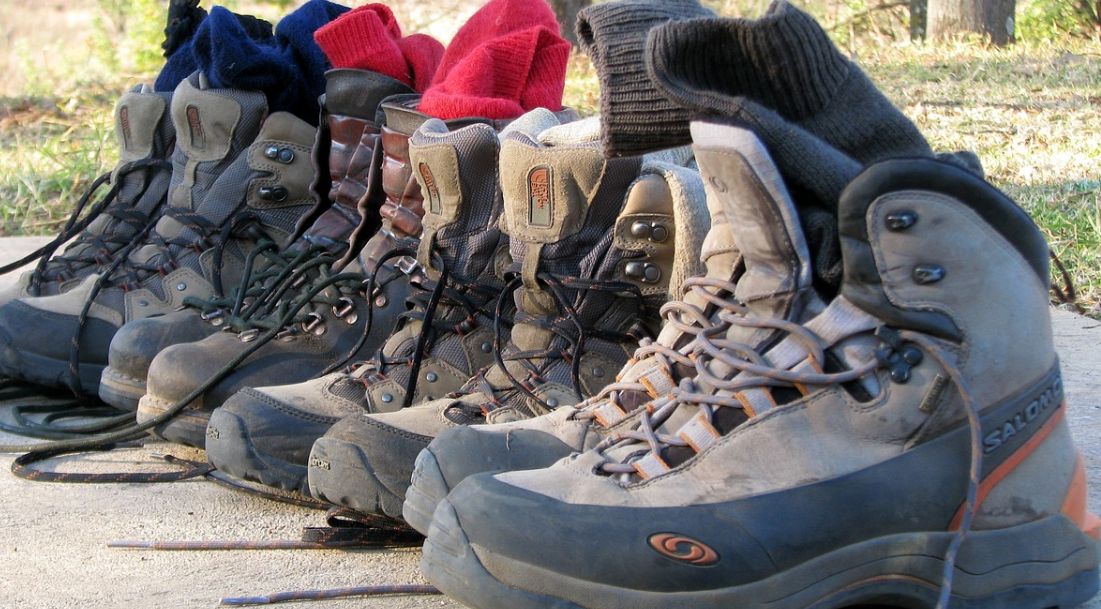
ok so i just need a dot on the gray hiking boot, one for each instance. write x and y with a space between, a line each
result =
771 274
225 197
265 434
594 244
353 307
344 164
137 188
832 464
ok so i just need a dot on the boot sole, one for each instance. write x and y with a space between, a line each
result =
898 570
339 473
188 427
120 391
229 448
427 489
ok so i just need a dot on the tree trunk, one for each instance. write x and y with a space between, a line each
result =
917 19
992 18
566 12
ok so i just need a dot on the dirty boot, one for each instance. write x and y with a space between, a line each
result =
265 434
225 198
594 244
340 310
770 273
345 165
136 191
831 465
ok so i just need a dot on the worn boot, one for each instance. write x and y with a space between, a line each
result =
594 244
137 188
770 272
345 164
265 434
339 323
907 445
225 197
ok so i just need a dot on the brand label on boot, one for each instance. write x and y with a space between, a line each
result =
432 190
540 203
195 125
124 122
683 549
1037 411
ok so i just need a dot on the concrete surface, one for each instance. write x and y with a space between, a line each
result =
53 550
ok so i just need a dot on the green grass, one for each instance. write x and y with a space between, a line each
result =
1032 112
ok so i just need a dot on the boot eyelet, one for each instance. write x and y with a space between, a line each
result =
343 307
277 153
249 335
315 326
273 193
552 402
925 274
659 233
640 230
901 220
431 377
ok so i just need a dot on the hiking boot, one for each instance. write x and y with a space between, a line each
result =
344 165
225 197
137 189
593 249
831 465
771 274
265 434
355 307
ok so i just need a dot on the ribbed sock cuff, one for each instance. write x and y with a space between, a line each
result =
784 61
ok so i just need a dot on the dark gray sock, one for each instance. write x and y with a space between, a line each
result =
784 61
613 35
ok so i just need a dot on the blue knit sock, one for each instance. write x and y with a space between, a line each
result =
289 67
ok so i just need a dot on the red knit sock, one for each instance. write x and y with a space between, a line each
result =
369 38
506 60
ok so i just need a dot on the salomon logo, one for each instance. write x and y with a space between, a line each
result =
683 549
318 463
1036 409
541 207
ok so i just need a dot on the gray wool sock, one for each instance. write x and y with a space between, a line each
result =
784 61
614 35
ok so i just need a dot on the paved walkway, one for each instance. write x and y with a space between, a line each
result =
54 553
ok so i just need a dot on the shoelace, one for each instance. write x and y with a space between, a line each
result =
104 247
607 407
131 274
463 302
259 284
298 313
568 326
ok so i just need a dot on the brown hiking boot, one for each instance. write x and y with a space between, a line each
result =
905 445
589 281
345 164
